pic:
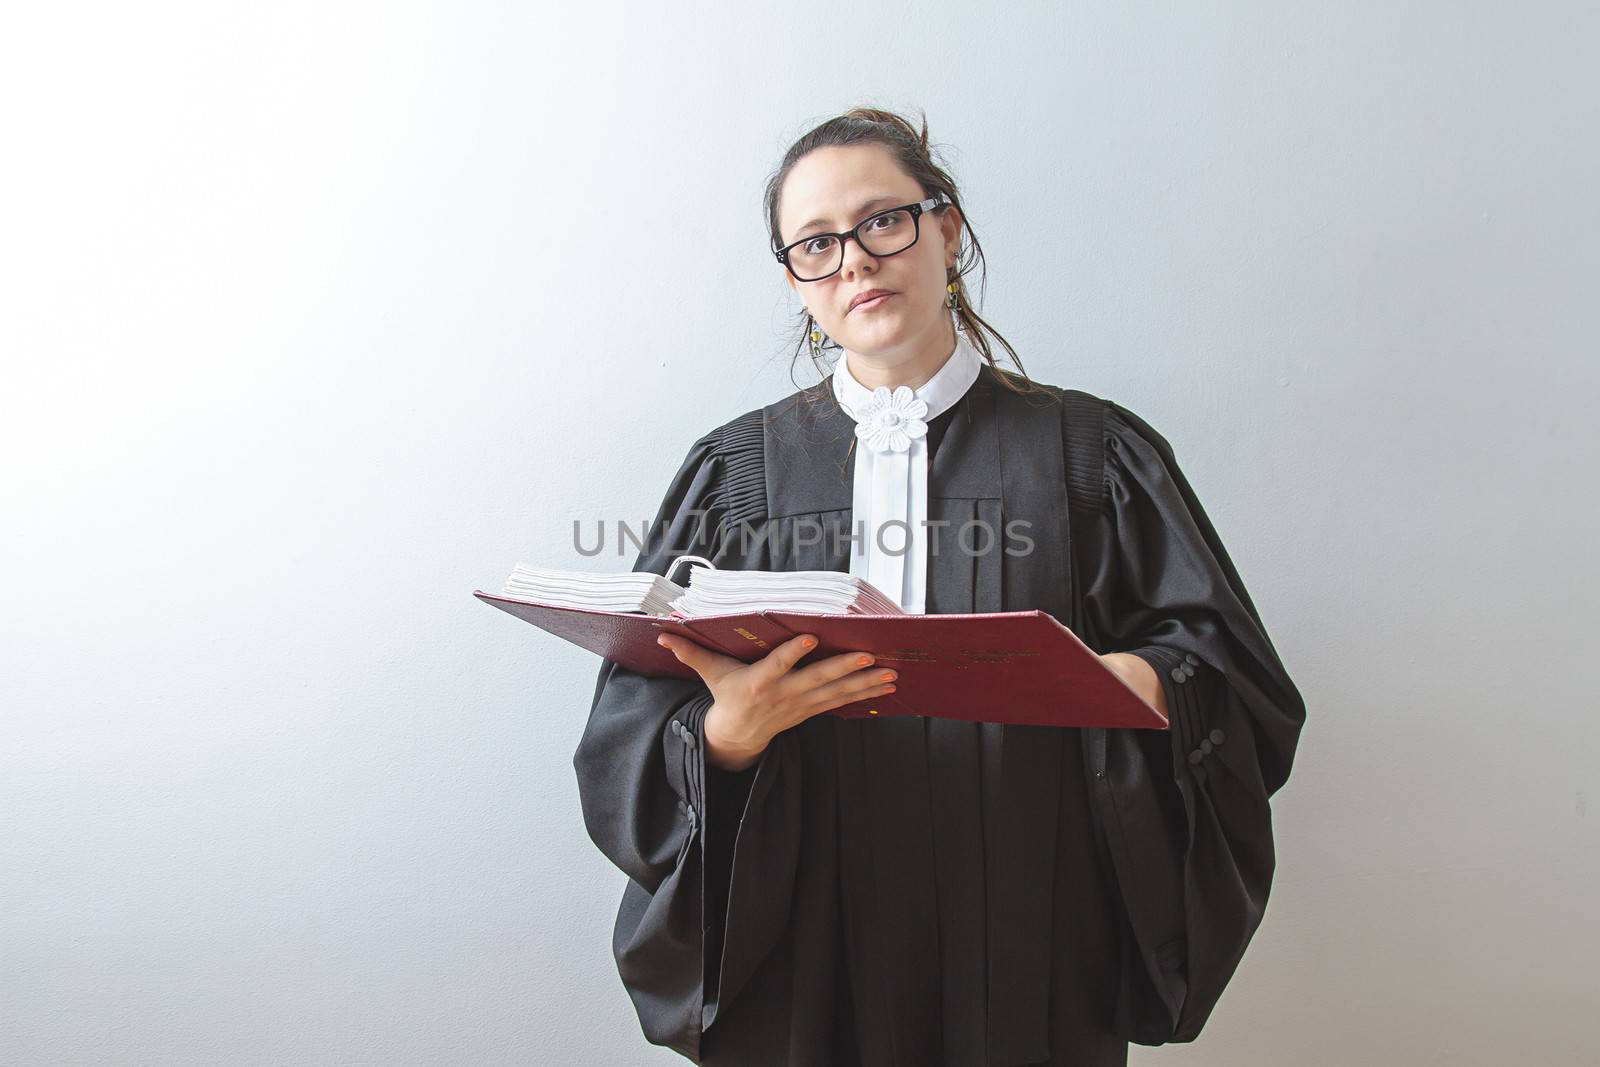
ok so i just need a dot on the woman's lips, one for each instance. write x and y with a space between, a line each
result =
867 305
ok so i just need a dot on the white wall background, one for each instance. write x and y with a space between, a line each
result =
317 316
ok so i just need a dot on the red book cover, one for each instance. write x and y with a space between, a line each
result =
1014 666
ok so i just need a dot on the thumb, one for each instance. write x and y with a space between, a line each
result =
709 665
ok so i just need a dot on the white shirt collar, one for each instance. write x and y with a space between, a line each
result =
948 384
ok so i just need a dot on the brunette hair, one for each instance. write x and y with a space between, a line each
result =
868 125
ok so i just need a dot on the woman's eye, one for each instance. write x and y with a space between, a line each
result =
817 245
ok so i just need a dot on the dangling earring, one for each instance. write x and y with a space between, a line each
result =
815 337
953 302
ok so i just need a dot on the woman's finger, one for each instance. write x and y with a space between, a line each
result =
815 675
868 682
777 663
709 665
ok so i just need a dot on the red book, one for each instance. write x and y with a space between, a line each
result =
1013 666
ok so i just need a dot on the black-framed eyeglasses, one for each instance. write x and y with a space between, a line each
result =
820 255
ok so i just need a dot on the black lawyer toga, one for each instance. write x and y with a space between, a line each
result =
922 891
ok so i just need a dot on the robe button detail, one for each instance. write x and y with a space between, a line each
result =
1217 737
1196 756
1178 675
1205 746
1190 657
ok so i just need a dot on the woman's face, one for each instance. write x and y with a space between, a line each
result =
840 187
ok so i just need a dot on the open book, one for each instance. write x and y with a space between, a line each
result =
711 591
1020 667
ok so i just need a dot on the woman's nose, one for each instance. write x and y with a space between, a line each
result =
853 248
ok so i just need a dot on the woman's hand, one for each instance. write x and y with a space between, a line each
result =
755 702
1140 676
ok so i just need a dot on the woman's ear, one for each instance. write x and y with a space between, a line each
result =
950 223
796 287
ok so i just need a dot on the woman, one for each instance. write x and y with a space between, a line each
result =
810 890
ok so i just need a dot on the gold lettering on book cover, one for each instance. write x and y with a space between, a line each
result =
983 655
748 636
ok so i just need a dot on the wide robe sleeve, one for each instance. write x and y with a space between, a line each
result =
649 806
1166 591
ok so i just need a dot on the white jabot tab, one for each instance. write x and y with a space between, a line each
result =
890 499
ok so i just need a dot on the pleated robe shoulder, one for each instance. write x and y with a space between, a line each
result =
918 891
